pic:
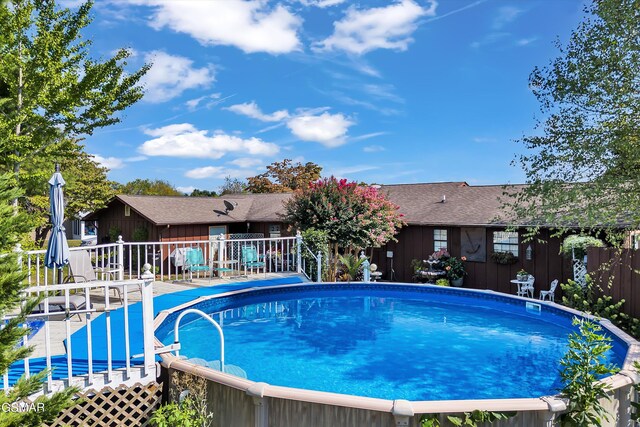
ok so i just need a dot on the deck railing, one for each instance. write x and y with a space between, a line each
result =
102 354
221 255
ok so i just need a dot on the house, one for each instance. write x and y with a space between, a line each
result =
180 218
465 219
452 215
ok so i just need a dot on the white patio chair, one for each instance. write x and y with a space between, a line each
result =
528 288
551 292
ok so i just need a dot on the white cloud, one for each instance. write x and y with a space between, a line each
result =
526 42
506 14
248 25
186 190
246 162
217 172
373 148
192 104
328 129
135 159
185 140
171 75
390 27
251 109
321 3
348 170
483 139
108 162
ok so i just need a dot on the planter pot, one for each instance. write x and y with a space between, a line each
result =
457 282
522 277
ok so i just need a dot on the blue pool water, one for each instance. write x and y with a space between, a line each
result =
414 345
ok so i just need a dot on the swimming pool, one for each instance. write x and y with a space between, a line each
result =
386 341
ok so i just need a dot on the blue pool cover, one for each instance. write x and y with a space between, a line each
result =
99 339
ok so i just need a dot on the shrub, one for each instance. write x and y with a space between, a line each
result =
582 366
587 299
576 245
351 266
316 241
442 282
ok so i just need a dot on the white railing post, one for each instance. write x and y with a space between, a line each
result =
221 247
18 250
147 321
366 267
298 252
120 243
319 278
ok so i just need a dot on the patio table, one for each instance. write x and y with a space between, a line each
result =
520 283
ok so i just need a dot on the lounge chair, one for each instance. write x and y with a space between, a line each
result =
550 293
58 304
194 262
250 259
81 270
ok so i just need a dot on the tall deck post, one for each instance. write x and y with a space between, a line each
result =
120 243
298 252
147 321
319 278
18 250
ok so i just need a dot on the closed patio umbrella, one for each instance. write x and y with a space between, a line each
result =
57 255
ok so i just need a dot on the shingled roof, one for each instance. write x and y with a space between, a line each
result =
163 210
449 203
422 204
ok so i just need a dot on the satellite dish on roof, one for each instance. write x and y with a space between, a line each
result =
229 206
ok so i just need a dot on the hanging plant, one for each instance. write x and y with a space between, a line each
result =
504 258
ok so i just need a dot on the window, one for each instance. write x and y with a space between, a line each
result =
505 241
127 210
274 230
439 239
217 230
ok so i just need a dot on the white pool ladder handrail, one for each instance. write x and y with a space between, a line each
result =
176 338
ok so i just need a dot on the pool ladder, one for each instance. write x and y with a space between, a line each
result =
176 338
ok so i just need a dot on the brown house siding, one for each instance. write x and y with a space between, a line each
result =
416 242
114 218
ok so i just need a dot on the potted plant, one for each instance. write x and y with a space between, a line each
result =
455 270
522 275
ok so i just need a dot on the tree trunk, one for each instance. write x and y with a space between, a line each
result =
41 234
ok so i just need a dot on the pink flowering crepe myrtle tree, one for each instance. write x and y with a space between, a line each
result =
354 216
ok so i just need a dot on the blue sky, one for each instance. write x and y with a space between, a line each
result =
379 91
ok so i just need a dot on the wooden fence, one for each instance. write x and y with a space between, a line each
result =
618 273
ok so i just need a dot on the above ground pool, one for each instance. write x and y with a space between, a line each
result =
386 341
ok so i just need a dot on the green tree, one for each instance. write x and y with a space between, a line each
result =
87 187
148 187
55 91
12 224
583 166
232 186
353 216
284 177
203 193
